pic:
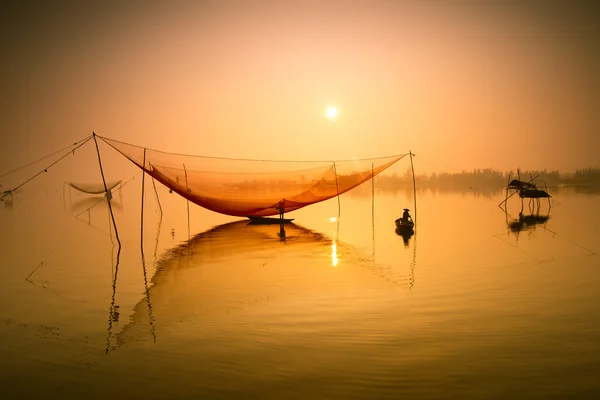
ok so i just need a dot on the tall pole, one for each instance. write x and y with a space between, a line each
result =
106 190
373 206
414 184
142 216
337 188
187 188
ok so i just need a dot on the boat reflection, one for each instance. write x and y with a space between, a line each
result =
406 234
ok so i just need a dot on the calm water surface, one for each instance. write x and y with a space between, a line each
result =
475 305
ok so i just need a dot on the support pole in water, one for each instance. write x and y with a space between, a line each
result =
414 184
187 188
142 214
337 188
373 205
373 192
157 199
106 191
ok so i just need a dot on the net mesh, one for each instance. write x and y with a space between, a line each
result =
94 188
252 187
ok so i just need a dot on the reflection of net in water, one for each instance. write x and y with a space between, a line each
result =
242 267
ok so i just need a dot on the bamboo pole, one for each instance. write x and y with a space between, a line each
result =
414 185
187 188
337 188
157 199
373 206
106 191
142 214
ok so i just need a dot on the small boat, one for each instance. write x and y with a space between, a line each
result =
268 221
404 225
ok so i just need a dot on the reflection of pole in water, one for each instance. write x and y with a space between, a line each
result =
111 312
147 292
150 318
412 264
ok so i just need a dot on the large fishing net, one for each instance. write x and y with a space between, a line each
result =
252 187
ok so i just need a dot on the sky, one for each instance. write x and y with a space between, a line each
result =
463 85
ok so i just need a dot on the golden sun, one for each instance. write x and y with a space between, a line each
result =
331 112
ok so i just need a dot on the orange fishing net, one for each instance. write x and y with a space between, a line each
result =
252 187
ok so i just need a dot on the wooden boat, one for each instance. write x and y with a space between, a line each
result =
268 221
403 225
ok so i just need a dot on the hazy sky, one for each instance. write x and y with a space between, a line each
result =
502 84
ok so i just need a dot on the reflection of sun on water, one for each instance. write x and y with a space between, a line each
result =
334 257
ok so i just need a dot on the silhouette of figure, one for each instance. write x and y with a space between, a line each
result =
406 216
281 208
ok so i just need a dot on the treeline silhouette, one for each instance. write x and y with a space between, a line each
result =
485 181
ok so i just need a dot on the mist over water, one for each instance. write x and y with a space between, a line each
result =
477 303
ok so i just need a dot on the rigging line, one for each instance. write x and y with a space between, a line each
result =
45 169
497 236
43 158
592 253
106 139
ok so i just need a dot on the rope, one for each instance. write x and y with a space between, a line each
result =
43 158
247 159
45 169
592 253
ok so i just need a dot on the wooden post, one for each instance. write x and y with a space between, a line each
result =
187 189
142 216
106 190
414 185
337 188
373 206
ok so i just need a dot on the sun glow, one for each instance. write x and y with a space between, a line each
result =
331 112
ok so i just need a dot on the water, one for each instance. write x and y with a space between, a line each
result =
466 308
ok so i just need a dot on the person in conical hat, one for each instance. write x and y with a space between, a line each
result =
406 215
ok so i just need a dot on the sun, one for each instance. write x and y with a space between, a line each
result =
331 112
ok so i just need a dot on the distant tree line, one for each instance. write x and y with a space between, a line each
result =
486 180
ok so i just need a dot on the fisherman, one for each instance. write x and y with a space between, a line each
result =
281 208
406 216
